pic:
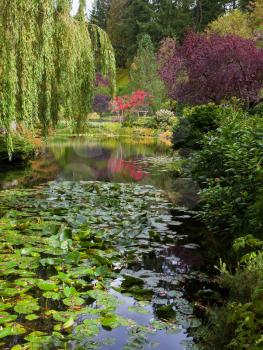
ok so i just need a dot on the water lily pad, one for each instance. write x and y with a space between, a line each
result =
130 281
47 285
166 311
113 321
34 336
5 317
73 301
32 317
26 306
89 328
12 330
138 310
52 295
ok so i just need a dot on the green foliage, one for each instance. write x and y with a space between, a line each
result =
61 247
99 13
230 171
22 147
47 64
257 110
144 74
165 119
195 123
237 325
235 22
104 54
129 20
114 30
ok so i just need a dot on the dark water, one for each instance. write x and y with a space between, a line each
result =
144 161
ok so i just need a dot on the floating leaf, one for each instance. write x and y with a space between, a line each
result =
69 323
32 317
113 321
47 285
138 310
73 301
26 306
12 330
5 317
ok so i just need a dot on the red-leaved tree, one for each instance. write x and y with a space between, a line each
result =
133 102
212 68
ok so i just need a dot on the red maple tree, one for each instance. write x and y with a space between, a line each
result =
136 100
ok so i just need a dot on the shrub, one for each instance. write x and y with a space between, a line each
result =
101 103
230 172
238 324
195 123
257 110
164 119
170 104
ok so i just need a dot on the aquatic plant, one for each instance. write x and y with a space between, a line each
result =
62 247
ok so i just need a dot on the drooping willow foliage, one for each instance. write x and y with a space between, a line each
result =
48 61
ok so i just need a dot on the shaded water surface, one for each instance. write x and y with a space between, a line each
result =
167 265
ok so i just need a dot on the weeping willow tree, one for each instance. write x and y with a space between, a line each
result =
48 61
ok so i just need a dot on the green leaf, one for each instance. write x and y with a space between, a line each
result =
32 317
52 295
5 317
26 306
113 321
69 323
70 291
47 285
73 301
138 310
12 330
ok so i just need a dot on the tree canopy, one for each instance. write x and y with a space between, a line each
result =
144 73
47 63
213 68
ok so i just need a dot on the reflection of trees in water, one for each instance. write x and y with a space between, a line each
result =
35 172
94 162
126 168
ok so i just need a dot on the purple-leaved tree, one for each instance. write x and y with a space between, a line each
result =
212 68
101 103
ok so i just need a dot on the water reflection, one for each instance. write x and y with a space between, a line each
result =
79 158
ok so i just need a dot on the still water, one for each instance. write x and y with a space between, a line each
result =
169 267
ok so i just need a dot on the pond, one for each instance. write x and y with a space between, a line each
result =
97 250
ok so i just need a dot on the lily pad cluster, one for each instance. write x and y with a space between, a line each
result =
61 249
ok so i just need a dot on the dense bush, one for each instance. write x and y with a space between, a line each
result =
164 119
101 103
195 123
238 324
228 168
230 172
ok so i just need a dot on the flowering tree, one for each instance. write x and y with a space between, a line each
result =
212 68
131 103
